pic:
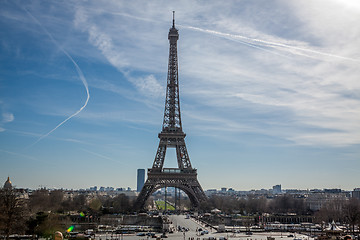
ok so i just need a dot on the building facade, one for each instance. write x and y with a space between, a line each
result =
140 179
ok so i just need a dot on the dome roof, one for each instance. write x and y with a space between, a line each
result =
7 184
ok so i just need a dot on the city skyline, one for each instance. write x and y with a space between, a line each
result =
269 92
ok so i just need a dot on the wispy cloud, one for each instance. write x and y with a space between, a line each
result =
297 79
6 117
147 85
266 72
27 157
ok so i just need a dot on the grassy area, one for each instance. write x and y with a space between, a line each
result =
161 205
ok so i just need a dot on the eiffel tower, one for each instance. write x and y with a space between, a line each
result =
172 136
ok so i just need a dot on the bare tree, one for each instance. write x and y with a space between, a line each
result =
12 212
286 204
39 201
56 198
121 204
352 213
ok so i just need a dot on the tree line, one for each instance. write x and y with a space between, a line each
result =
345 211
43 212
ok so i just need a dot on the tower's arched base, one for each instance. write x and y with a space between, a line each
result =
186 180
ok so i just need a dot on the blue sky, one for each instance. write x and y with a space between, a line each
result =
270 91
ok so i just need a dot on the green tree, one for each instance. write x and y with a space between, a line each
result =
48 224
95 205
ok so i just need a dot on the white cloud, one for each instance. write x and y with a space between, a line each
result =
149 86
7 117
104 43
303 73
100 40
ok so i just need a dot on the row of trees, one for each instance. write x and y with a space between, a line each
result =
45 212
257 205
55 201
340 210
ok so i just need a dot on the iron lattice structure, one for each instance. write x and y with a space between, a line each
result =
172 136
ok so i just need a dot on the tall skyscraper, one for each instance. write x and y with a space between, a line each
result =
277 189
356 193
140 179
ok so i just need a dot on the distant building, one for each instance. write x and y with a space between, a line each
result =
277 189
224 189
315 201
334 190
140 179
356 193
8 184
210 192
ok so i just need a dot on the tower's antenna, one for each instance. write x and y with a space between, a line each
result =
173 19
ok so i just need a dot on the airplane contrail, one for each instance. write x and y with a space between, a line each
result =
266 50
26 156
237 36
257 47
269 44
104 157
80 73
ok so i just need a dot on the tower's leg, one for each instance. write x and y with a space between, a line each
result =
165 199
160 156
145 193
185 182
175 197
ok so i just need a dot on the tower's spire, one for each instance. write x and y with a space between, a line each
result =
173 19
